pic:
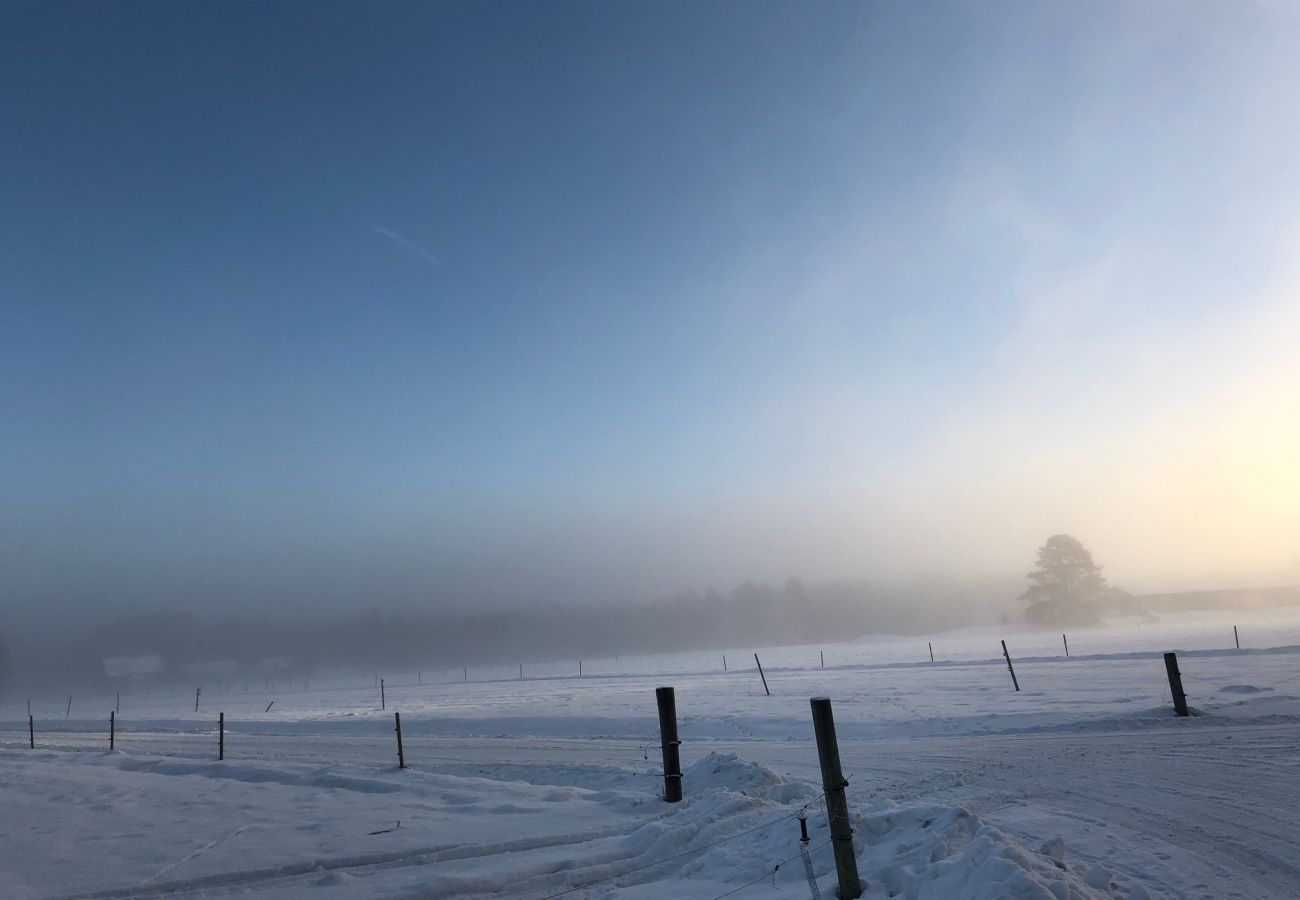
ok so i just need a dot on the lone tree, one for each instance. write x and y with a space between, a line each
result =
1067 587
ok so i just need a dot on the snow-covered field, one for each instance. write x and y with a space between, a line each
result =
1082 785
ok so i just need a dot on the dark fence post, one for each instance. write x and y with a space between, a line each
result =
666 699
383 699
221 735
1176 684
930 644
401 756
724 662
822 654
112 729
1235 638
762 676
197 691
31 732
1066 643
1010 667
68 712
837 804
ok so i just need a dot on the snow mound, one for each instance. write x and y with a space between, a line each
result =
728 772
947 853
1243 689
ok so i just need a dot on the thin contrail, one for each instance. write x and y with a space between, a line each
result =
405 242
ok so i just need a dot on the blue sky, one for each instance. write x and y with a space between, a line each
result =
524 301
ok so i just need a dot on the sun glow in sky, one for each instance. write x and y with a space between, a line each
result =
510 302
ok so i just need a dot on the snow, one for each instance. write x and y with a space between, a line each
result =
1082 785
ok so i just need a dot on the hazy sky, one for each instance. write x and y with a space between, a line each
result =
332 303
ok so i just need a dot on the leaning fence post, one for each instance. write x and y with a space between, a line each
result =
667 702
930 644
1066 643
837 804
401 756
68 712
1235 638
221 735
1010 667
762 676
1176 684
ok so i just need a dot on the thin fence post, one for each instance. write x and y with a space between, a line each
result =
521 670
31 732
397 725
930 644
837 804
1176 684
724 662
68 711
1067 645
1015 681
221 735
1235 638
117 704
822 654
579 668
465 672
383 699
112 729
762 676
197 691
666 700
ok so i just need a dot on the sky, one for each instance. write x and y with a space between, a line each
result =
319 305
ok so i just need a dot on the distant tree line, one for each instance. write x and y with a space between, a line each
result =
751 615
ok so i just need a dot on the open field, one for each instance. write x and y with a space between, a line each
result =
528 788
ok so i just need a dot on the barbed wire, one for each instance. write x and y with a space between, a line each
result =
767 875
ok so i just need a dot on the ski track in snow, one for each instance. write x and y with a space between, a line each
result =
523 788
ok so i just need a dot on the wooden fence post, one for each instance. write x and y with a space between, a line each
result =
197 691
837 804
822 654
31 732
1067 645
724 662
401 756
762 676
1010 667
1235 638
667 703
112 729
930 644
383 699
1176 684
68 712
221 735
